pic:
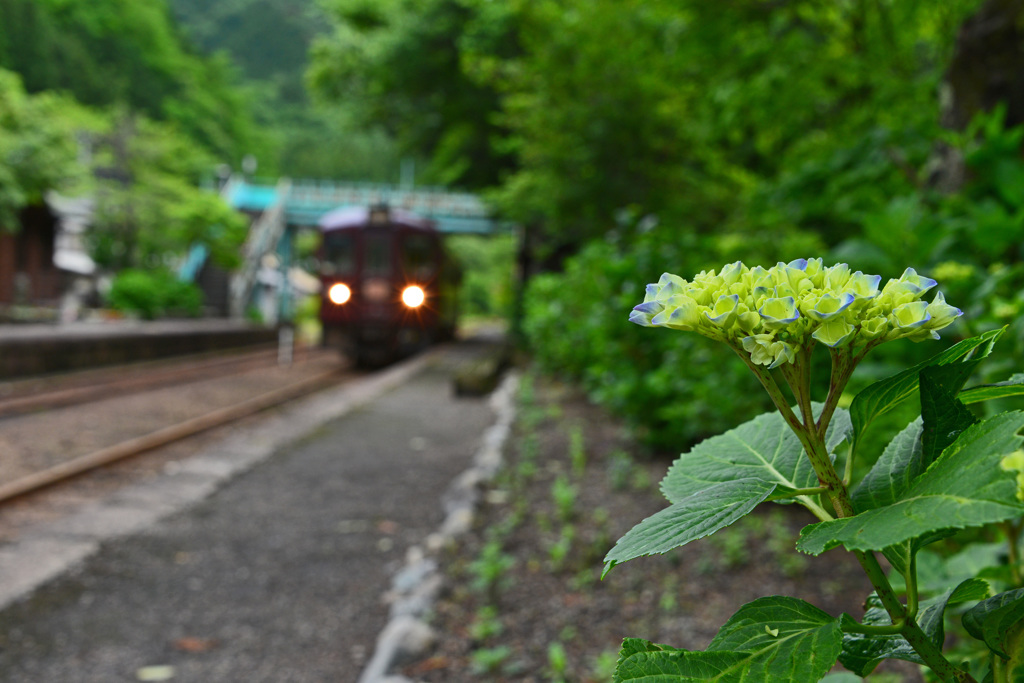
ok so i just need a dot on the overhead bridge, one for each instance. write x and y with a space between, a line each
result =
303 202
284 206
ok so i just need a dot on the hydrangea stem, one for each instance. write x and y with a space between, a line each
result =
812 437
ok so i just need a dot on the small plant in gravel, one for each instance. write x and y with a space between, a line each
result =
490 570
491 660
577 450
558 662
947 470
564 496
559 550
486 624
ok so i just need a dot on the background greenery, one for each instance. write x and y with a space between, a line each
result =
625 137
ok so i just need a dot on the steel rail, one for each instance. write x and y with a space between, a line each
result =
161 437
164 376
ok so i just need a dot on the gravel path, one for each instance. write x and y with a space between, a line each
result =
276 577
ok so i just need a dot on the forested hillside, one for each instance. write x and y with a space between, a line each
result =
269 41
107 52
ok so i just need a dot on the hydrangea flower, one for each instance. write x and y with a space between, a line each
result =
773 313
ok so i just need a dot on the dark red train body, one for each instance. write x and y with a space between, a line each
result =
388 286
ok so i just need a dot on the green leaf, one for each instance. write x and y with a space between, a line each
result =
886 394
991 621
945 416
901 554
701 514
899 465
964 487
862 653
764 448
769 639
987 392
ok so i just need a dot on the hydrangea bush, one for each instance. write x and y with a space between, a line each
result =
947 470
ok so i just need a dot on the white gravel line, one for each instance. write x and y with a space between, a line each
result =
416 586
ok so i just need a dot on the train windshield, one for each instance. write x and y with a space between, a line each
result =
339 254
418 256
377 253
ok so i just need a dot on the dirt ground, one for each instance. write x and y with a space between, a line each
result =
524 599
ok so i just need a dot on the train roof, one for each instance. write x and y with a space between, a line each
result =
359 216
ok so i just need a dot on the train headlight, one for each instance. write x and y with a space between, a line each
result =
339 293
413 296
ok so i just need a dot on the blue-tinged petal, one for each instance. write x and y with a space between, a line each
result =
863 286
922 283
942 314
723 314
640 318
911 315
828 306
779 311
835 332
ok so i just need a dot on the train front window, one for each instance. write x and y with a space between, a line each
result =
377 254
339 254
418 256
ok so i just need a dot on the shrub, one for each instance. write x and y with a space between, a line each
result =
152 294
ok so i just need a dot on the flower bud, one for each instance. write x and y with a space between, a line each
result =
828 306
834 333
779 311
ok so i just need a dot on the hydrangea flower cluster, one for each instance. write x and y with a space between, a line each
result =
773 313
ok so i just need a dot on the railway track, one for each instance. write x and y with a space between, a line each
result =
45 393
57 429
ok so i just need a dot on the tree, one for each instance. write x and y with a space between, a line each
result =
401 63
149 206
37 147
107 52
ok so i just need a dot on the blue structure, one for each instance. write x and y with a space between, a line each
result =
283 207
303 202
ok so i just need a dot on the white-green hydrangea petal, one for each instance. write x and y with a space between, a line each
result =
911 315
942 314
828 306
875 327
759 348
783 353
834 333
643 313
680 313
862 286
724 313
779 311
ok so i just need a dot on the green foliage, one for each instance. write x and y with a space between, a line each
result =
490 660
945 471
490 569
37 150
153 293
149 209
487 264
770 639
107 52
396 59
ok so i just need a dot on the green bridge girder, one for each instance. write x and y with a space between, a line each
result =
305 201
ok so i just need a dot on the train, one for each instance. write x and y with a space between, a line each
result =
388 284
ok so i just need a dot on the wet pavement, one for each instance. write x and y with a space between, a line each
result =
273 567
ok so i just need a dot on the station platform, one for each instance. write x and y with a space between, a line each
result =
39 349
265 558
